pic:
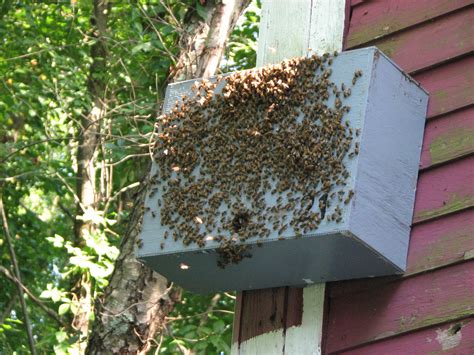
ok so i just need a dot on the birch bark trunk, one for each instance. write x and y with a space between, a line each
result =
136 301
87 153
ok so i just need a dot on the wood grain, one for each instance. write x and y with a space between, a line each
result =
450 86
453 338
356 2
429 309
237 318
444 190
305 338
263 311
441 242
294 311
421 47
448 137
378 18
400 307
277 30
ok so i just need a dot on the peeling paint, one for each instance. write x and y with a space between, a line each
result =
448 339
454 143
455 203
469 254
448 248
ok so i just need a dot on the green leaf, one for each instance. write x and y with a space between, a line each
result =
218 326
201 10
64 308
61 336
57 241
201 345
142 47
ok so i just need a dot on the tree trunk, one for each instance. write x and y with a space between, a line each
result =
87 153
136 301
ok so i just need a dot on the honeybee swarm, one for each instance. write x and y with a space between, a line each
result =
270 132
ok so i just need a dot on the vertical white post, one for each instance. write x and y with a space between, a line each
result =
291 29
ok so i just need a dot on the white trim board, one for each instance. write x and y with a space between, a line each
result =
291 29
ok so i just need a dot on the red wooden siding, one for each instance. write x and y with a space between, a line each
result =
431 42
448 137
450 86
441 242
378 18
430 308
435 244
454 338
357 2
444 190
401 306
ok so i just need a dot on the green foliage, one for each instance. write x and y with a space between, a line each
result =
200 323
44 66
241 51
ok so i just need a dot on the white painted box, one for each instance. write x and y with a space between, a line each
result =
371 238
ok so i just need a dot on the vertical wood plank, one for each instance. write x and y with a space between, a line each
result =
294 312
268 343
284 30
237 317
262 311
306 338
327 24
299 28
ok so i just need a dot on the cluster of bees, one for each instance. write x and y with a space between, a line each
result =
253 153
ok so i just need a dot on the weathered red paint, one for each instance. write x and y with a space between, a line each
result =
374 19
434 244
401 306
452 338
418 313
421 47
441 242
356 2
448 137
294 305
405 314
450 86
263 311
267 310
445 189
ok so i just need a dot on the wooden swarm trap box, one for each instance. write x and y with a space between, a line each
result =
309 178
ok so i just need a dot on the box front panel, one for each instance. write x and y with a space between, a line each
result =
343 68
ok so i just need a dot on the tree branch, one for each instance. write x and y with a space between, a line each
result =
46 309
8 308
16 269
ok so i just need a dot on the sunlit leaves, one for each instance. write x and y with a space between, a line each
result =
44 65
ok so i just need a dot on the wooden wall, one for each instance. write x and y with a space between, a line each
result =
431 308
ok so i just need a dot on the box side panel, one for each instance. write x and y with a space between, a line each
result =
388 164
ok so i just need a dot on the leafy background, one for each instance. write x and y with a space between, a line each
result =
44 64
